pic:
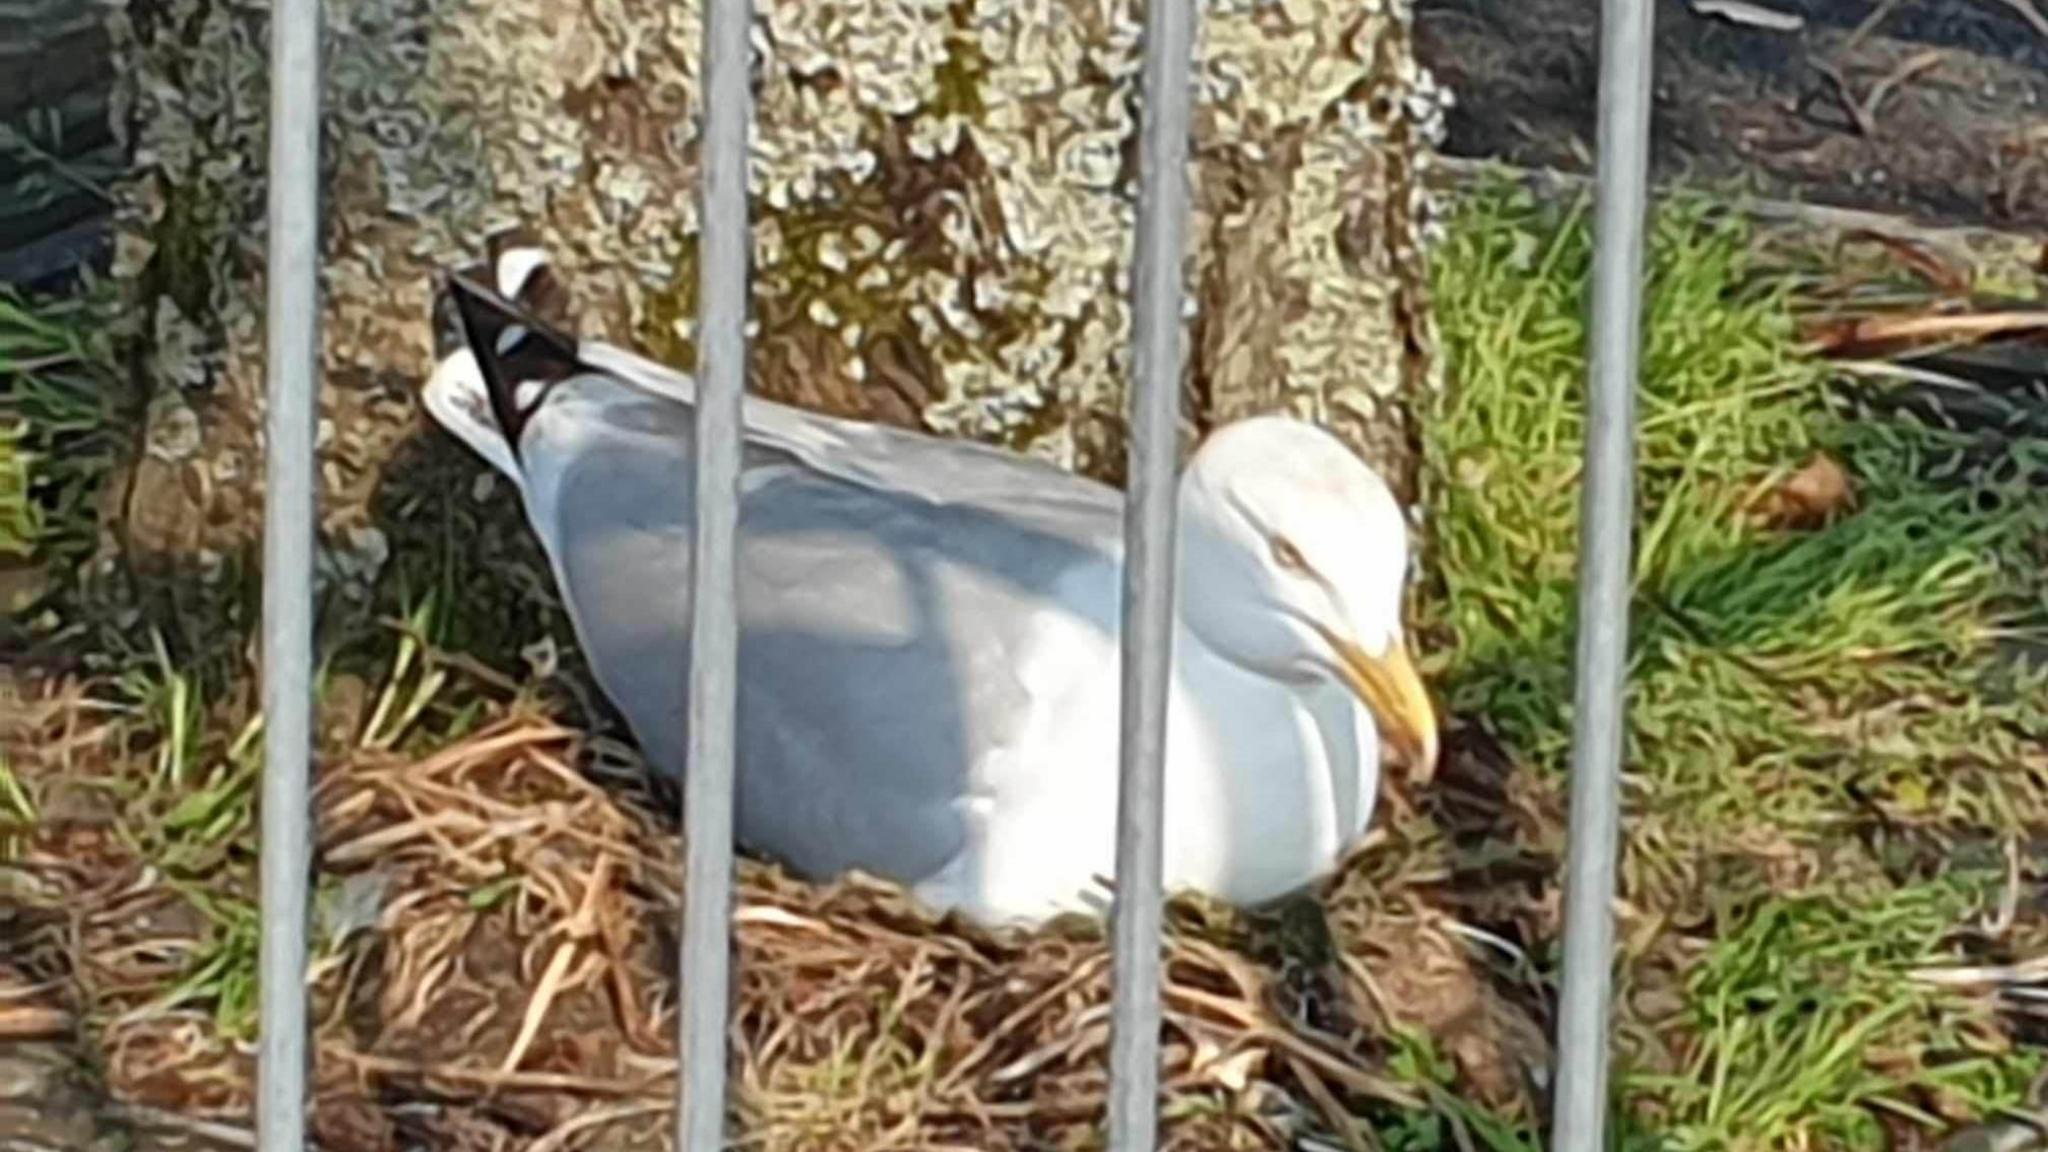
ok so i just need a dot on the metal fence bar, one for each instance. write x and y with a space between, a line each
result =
1150 559
291 383
1580 1116
714 632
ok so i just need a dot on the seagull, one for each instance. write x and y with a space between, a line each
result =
928 627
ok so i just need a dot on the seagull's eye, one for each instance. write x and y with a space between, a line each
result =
1287 556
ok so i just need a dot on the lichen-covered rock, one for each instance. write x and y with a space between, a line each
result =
943 198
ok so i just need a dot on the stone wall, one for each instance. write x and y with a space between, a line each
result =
944 202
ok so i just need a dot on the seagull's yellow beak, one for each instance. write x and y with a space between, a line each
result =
1393 692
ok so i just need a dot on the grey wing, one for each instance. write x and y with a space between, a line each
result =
922 467
879 634
529 367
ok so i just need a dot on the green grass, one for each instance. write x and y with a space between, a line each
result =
188 809
58 431
1448 1121
220 971
1790 1006
1759 655
17 812
20 526
1790 688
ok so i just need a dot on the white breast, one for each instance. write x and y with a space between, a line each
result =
1266 785
1268 782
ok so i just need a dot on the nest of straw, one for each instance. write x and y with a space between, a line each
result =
495 967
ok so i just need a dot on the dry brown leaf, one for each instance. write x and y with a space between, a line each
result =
33 1022
1874 335
1818 492
1919 258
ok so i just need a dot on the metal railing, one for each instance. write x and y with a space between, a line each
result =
714 631
291 382
292 376
1592 837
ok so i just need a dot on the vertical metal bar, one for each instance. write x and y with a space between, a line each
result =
1580 1115
714 632
292 375
1150 559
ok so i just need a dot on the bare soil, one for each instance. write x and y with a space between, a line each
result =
1933 109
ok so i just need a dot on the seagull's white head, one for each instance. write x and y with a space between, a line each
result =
1296 555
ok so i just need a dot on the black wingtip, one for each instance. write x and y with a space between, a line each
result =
512 346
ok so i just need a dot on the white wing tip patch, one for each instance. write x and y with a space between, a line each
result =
515 267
